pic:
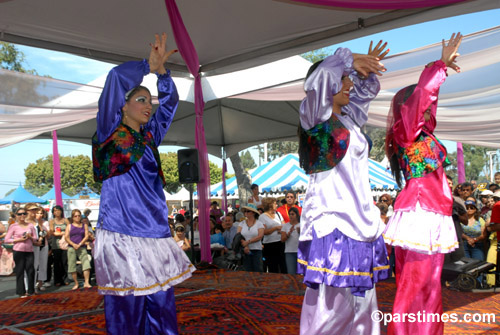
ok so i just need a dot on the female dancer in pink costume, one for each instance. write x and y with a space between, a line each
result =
421 229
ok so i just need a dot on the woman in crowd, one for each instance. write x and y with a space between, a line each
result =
136 259
474 233
58 226
255 198
421 229
41 251
216 212
341 250
22 234
273 247
253 232
290 236
6 255
76 236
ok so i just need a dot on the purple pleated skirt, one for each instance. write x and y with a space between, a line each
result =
340 261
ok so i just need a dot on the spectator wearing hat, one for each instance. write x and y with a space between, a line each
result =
474 232
493 227
253 232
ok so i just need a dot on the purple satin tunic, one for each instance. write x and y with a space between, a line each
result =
134 203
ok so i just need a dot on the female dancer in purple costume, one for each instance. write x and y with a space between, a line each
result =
421 228
341 250
136 259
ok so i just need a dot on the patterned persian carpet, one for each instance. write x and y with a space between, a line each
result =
220 302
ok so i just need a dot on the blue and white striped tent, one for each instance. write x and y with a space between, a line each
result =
285 173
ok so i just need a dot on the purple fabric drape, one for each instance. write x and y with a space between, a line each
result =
57 169
380 4
224 192
460 163
188 53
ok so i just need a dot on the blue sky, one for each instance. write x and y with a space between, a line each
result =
16 158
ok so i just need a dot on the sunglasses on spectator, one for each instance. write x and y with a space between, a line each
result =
471 207
24 213
179 229
384 200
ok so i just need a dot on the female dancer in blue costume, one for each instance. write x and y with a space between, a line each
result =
341 249
137 261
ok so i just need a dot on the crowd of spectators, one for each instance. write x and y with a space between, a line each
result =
264 233
476 213
40 251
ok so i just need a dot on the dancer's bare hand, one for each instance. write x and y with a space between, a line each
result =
159 54
449 53
366 64
378 51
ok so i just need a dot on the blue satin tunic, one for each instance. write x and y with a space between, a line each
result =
134 203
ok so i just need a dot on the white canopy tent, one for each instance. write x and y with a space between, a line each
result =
228 35
261 104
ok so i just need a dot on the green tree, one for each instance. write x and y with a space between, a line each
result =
316 55
281 148
377 135
171 171
247 160
76 173
12 59
17 89
476 162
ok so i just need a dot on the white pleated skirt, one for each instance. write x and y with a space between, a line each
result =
421 231
127 265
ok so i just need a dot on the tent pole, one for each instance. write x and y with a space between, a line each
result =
57 169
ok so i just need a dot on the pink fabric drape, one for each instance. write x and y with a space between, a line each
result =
57 169
224 191
380 4
188 53
460 163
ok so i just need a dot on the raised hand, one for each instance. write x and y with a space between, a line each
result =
366 64
370 63
159 54
378 51
449 52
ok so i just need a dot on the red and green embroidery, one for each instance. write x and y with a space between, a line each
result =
327 144
424 156
120 152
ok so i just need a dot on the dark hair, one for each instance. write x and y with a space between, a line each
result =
135 90
296 211
301 133
400 97
254 186
383 208
218 226
59 208
467 184
179 218
18 209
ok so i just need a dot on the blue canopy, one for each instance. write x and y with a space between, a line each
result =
51 195
20 195
285 173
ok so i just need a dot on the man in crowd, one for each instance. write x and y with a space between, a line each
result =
493 227
230 231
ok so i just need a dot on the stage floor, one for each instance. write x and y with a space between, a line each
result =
221 302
